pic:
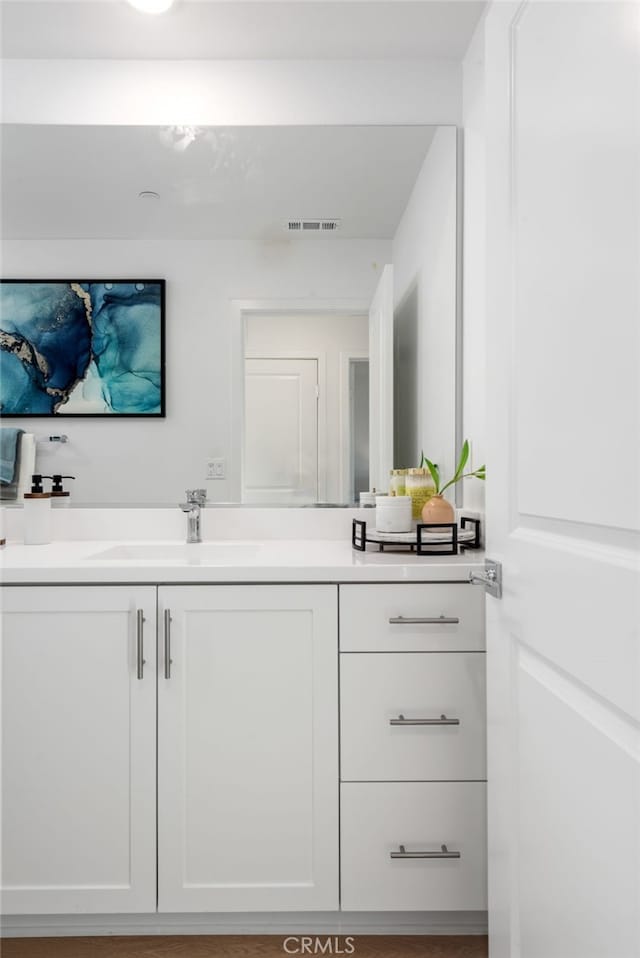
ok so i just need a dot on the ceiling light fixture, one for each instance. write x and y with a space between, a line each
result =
152 6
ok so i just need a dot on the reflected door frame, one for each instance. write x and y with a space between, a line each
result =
322 438
241 311
346 458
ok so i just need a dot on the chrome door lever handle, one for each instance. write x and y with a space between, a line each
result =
481 578
491 578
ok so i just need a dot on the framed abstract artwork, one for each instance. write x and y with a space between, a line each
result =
82 347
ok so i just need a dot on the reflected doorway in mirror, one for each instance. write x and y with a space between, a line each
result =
280 430
274 344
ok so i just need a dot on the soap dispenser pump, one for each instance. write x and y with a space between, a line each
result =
37 513
59 495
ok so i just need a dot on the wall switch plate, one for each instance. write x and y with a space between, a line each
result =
215 469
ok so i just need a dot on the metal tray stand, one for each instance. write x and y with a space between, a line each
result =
420 544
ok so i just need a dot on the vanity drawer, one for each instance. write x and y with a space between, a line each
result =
377 689
377 618
376 819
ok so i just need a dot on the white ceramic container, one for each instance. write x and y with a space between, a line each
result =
393 513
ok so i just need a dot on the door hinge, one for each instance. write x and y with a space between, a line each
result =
491 578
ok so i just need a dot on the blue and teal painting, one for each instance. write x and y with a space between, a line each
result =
82 348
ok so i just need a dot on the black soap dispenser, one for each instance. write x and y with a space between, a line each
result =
60 496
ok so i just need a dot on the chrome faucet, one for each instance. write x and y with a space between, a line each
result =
196 499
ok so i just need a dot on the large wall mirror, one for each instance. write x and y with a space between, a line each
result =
311 300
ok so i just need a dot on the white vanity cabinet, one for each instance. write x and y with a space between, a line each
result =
247 745
248 748
78 749
413 755
175 748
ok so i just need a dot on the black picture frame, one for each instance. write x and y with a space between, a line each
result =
161 414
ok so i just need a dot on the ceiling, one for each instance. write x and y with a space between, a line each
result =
214 183
244 29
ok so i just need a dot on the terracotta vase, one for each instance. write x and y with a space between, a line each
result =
437 509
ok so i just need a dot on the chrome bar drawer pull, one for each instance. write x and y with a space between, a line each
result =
443 853
140 662
443 720
427 620
167 644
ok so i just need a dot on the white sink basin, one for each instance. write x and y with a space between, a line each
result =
202 553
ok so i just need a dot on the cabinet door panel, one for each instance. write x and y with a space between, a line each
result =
248 776
78 820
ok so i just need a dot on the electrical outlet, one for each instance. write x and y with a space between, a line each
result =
215 469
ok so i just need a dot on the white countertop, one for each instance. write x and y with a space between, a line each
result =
245 560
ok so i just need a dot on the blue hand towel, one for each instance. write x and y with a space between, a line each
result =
9 452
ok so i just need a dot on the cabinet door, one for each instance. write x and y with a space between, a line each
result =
78 810
248 749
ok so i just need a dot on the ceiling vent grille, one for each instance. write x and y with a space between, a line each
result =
312 226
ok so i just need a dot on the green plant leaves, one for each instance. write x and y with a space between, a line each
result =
435 473
464 455
479 473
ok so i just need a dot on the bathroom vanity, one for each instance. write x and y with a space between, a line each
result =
241 727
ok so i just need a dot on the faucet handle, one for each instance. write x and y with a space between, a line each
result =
197 495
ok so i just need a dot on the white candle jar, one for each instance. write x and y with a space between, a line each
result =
393 514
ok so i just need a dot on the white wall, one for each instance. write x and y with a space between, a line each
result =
118 460
231 93
474 263
424 258
328 338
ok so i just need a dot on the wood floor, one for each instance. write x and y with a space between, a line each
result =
236 946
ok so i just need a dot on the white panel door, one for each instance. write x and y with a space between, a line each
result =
381 382
78 750
563 510
280 461
248 749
